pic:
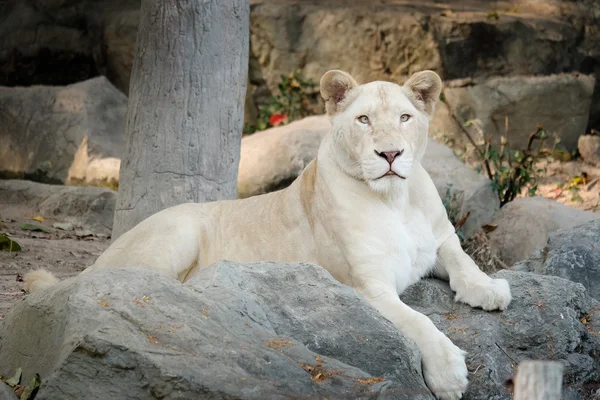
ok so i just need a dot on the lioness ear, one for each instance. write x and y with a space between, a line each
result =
334 86
426 87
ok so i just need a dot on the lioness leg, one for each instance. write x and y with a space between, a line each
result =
444 366
472 286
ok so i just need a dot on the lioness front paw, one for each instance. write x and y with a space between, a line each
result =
445 370
492 294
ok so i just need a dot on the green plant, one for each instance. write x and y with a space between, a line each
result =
294 100
511 171
452 201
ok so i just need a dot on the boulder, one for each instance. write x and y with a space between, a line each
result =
272 159
251 331
526 101
52 134
462 189
6 393
62 42
59 43
573 254
89 207
550 318
395 39
523 226
589 148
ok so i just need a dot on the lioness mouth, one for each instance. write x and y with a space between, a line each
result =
390 173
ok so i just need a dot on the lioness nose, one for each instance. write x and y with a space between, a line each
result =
390 156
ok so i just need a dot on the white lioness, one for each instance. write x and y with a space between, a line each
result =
365 209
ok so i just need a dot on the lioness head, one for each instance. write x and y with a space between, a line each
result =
380 128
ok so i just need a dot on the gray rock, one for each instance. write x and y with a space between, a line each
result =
90 207
271 159
523 226
589 148
460 187
543 322
251 331
526 101
6 393
73 40
52 134
573 254
58 43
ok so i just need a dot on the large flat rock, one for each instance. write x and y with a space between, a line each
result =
549 318
514 106
251 331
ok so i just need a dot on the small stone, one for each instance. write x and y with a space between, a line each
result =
589 148
83 233
63 226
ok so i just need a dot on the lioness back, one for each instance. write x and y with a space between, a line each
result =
180 239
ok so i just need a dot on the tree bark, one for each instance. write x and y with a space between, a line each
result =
186 107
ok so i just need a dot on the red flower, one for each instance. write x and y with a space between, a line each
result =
277 119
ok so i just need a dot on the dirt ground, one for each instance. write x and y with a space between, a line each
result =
65 253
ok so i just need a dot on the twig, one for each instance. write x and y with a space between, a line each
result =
506 354
466 132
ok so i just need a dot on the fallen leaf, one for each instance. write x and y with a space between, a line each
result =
317 372
104 303
7 244
558 191
451 316
34 228
462 221
38 218
31 388
15 379
487 228
578 180
278 344
369 381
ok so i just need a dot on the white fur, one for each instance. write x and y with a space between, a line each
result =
376 234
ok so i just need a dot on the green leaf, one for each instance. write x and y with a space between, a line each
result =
34 228
31 388
15 379
7 244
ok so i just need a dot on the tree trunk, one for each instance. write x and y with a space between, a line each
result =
539 380
186 105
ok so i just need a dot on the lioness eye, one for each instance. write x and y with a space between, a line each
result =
363 119
404 117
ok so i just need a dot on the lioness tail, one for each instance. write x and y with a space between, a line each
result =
38 280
